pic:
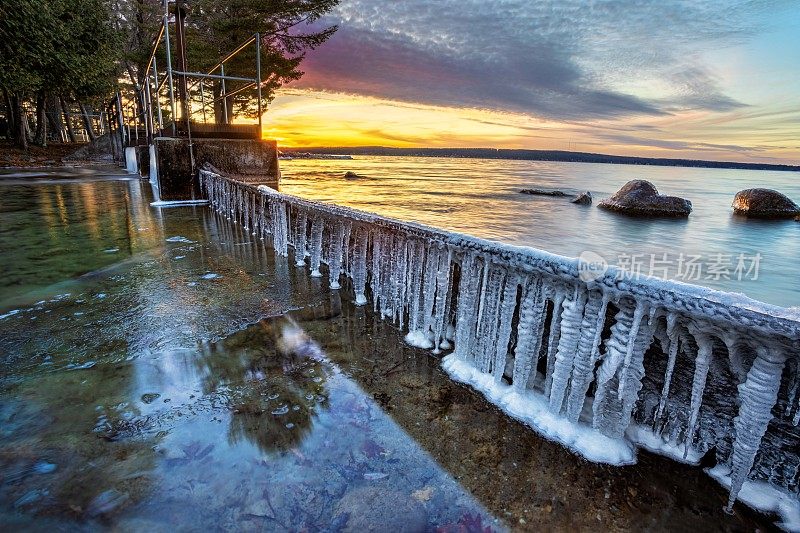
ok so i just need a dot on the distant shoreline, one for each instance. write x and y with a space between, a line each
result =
537 155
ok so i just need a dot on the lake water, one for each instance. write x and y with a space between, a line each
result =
161 369
481 197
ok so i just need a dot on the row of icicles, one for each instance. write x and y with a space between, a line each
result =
506 321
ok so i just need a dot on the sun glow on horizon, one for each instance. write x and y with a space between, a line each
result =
299 118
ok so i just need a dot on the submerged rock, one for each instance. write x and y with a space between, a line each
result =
544 192
380 508
584 198
764 203
641 198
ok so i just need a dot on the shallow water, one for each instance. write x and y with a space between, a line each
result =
481 197
166 384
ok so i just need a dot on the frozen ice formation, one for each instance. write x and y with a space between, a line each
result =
601 366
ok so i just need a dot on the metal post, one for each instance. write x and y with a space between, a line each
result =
181 8
203 100
136 116
158 99
224 99
258 80
151 128
169 67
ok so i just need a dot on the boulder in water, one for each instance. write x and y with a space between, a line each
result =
349 175
584 198
543 192
641 198
764 203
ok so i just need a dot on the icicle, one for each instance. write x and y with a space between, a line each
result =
335 255
429 286
794 398
442 290
594 316
402 276
279 228
316 246
505 318
606 417
301 223
348 229
638 314
487 324
375 278
387 269
466 314
399 267
673 355
359 269
247 211
529 332
571 319
417 254
263 217
701 364
758 395
552 341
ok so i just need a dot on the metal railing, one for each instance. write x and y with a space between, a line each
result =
526 322
157 105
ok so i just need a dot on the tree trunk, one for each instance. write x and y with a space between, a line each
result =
219 111
54 117
21 133
68 120
87 122
40 137
10 115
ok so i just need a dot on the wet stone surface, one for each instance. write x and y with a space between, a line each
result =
146 393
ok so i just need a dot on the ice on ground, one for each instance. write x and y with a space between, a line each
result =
10 313
534 411
210 275
764 497
178 203
645 438
419 339
179 238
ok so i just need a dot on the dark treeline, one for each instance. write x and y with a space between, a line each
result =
54 55
538 155
61 61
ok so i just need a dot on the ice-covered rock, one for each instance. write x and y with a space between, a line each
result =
641 198
584 198
764 203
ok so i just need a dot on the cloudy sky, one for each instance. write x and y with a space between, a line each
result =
696 78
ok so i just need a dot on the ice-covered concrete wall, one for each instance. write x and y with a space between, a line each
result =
601 362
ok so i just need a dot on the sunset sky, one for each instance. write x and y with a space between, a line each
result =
695 78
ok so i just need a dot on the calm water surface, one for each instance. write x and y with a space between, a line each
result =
160 368
481 197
